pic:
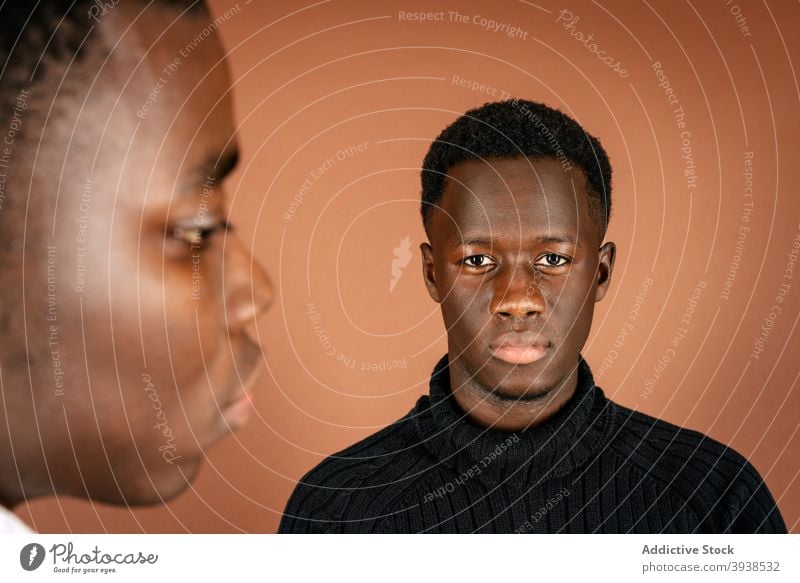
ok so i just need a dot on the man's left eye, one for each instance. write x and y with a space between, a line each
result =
552 260
197 236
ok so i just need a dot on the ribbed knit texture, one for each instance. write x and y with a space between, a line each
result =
595 466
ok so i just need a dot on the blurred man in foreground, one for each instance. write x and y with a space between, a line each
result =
127 307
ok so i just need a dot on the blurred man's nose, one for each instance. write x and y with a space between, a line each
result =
247 290
517 294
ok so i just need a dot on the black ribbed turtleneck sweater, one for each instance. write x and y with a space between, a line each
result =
595 466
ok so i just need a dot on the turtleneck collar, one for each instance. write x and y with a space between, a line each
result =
563 443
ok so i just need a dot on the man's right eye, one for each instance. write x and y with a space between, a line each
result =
478 261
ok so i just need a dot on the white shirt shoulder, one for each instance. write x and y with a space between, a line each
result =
10 524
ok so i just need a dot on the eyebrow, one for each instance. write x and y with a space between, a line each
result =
484 242
212 171
223 166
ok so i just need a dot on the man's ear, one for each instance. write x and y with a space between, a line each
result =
604 269
428 271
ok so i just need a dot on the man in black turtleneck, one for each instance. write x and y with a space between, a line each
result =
515 436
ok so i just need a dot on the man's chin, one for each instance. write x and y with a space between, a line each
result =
515 382
159 485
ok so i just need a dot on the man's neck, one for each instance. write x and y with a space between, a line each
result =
488 408
6 503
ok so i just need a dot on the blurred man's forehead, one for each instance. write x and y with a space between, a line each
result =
160 40
136 50
137 112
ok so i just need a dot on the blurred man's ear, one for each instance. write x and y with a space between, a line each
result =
429 272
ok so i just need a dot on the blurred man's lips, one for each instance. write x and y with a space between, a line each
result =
519 347
239 411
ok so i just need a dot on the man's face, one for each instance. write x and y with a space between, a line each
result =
140 306
514 262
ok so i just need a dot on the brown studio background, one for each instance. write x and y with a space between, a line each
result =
313 81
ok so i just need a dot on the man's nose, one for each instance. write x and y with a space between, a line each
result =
247 290
517 294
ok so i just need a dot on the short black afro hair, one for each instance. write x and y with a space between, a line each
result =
515 128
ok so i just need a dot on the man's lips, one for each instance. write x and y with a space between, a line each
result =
238 411
519 347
